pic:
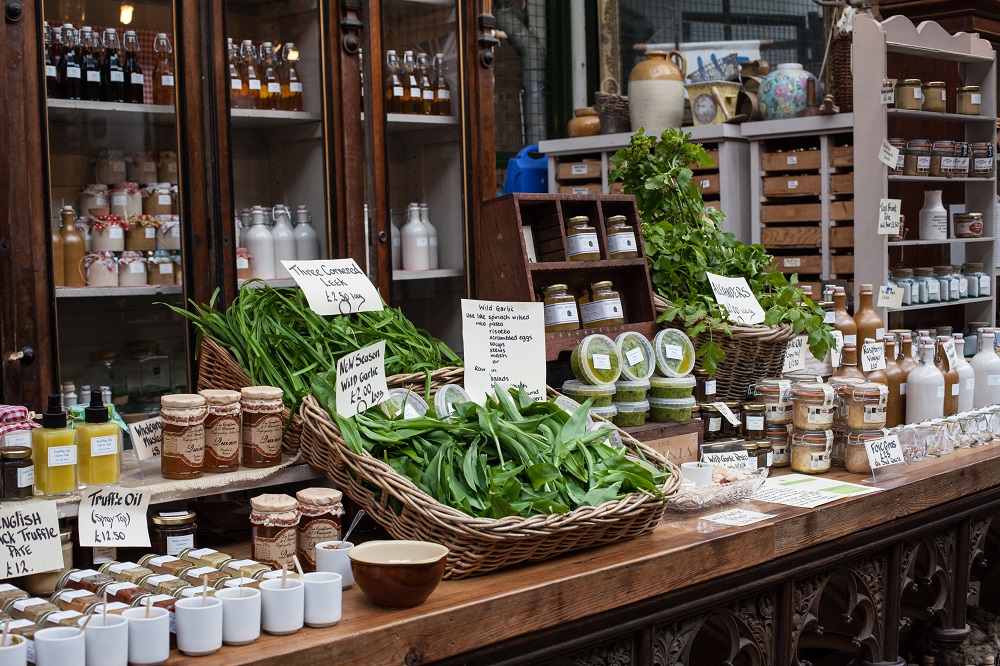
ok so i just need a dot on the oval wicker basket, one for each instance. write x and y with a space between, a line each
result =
752 352
477 545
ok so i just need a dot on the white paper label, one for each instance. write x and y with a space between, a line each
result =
793 184
116 233
888 218
361 380
118 77
970 384
414 93
504 342
254 84
918 93
335 286
17 439
166 268
50 70
851 339
168 80
582 244
242 262
93 77
940 392
72 72
164 199
397 91
705 184
795 354
236 84
955 388
62 455
709 387
993 380
175 544
136 79
889 154
150 232
884 452
738 517
295 87
983 164
755 423
727 458
422 242
735 296
147 437
874 414
888 92
578 169
714 423
175 231
792 262
274 88
602 361
621 242
675 352
728 413
977 98
443 94
582 189
902 389
26 476
428 95
819 460
933 288
114 517
792 159
872 355
950 353
30 534
634 356
829 317
923 162
136 267
595 311
817 414
103 446
119 200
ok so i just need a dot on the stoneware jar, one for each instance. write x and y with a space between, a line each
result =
168 236
102 269
126 200
161 268
656 92
584 123
142 169
94 201
167 172
783 91
132 269
108 233
141 236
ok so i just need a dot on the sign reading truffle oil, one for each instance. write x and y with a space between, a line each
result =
505 343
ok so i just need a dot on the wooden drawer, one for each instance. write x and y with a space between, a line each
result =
842 157
791 236
805 185
582 188
584 170
801 160
809 212
842 183
714 154
842 211
708 183
841 237
810 264
842 264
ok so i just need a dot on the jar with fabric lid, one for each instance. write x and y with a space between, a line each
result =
982 160
322 520
621 238
262 425
976 281
132 269
141 233
172 532
222 430
968 225
918 157
110 167
935 96
581 239
183 451
243 258
811 450
160 268
903 279
160 200
102 269
126 200
274 519
775 395
909 94
812 405
108 233
901 158
960 165
968 100
168 236
178 273
142 168
604 307
167 171
94 200
864 405
856 455
777 435
560 309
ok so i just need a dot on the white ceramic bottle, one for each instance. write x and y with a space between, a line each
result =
397 247
416 256
432 237
925 387
284 240
966 375
933 217
306 239
260 245
986 366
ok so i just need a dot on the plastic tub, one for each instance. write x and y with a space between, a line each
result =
674 353
606 413
671 410
671 388
631 391
596 360
630 414
447 397
404 403
577 390
614 439
638 359
569 405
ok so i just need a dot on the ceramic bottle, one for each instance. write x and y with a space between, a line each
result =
284 240
952 382
432 237
933 217
842 321
306 240
925 388
656 92
986 366
867 320
416 246
260 245
896 401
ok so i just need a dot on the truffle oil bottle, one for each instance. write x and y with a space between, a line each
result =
99 445
54 450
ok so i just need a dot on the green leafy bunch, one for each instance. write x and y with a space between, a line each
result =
511 456
684 242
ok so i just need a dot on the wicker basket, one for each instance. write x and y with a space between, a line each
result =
752 352
840 72
217 369
612 108
477 545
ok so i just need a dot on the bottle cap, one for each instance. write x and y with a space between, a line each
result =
96 412
54 416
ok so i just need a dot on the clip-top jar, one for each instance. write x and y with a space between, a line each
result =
901 158
183 417
274 519
322 520
560 309
581 239
864 405
777 435
918 157
812 405
775 394
982 160
222 430
855 454
811 450
262 427
621 238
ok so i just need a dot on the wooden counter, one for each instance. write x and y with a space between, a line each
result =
690 568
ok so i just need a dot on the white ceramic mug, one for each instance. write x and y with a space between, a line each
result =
60 646
700 474
148 637
240 615
106 638
282 608
14 652
335 560
199 625
323 598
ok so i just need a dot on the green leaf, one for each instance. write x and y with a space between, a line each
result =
598 496
542 473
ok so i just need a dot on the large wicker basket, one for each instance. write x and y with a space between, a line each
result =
841 73
477 545
752 352
612 108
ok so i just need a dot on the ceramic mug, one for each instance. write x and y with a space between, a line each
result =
282 608
240 615
331 559
106 639
148 637
60 646
14 652
199 625
700 474
323 592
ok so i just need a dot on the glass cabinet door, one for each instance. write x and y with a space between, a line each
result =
118 239
278 147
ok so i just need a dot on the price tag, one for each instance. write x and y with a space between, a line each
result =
578 169
735 296
361 380
890 297
147 438
872 355
29 533
792 262
114 517
727 458
335 286
888 154
838 349
950 353
795 354
728 413
793 184
888 92
504 342
888 217
792 159
705 184
602 361
673 351
884 452
634 356
738 517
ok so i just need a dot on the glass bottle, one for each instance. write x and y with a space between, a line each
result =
260 244
251 82
442 92
842 321
895 408
426 91
395 93
134 80
986 366
54 451
432 236
112 72
952 385
73 250
51 86
306 239
411 85
868 322
90 85
99 445
284 240
68 71
416 245
291 85
236 98
270 84
966 375
163 71
925 387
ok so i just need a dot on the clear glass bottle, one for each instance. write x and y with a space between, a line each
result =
260 244
395 92
163 72
134 80
426 90
251 82
237 100
432 236
416 244
291 85
270 83
112 71
306 239
442 92
283 236
411 85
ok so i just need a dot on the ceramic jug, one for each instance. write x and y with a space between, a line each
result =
783 92
656 92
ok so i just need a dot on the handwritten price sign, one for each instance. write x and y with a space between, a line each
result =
361 380
335 286
111 516
884 452
29 539
735 295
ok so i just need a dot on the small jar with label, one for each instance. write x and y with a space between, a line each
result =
322 519
942 158
581 239
750 447
918 158
935 96
943 276
903 279
108 233
18 473
704 388
856 454
274 520
711 419
168 234
84 579
165 564
124 593
160 201
982 160
33 609
183 417
839 445
732 428
968 225
9 594
241 581
909 94
775 394
132 269
222 430
753 421
930 286
621 238
249 568
811 450
205 557
900 144
262 425
78 600
197 576
765 454
604 307
70 618
864 405
777 435
165 584
968 100
976 280
560 310
126 200
812 406
960 164
127 572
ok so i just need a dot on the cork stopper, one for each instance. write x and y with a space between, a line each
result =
219 396
319 496
261 393
273 503
182 401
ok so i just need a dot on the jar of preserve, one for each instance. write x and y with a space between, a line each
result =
132 269
167 172
262 425
731 428
968 100
775 394
9 594
222 430
581 239
114 608
70 618
560 310
750 448
704 388
274 520
108 233
205 557
901 158
127 572
864 405
18 473
711 421
183 453
160 201
765 454
78 600
84 579
124 593
856 455
168 235
250 568
126 200
604 307
102 269
968 225
935 97
753 421
197 575
94 201
110 167
777 435
982 160
942 158
165 564
812 406
909 94
621 238
171 532
322 520
810 450
33 609
160 268
165 584
918 157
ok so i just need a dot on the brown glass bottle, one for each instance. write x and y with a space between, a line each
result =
849 364
163 71
895 409
73 250
394 90
842 321
867 321
952 385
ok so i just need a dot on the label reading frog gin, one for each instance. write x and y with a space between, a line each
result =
582 244
561 313
621 242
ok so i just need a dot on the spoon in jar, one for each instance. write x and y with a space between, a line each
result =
354 523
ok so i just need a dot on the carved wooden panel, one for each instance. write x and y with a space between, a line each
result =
613 653
740 634
928 577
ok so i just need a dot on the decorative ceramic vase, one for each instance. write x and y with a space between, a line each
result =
783 91
585 123
656 92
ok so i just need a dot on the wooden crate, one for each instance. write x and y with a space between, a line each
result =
714 154
842 183
806 264
842 237
797 160
582 170
842 211
842 157
798 212
804 185
791 236
708 183
842 264
581 188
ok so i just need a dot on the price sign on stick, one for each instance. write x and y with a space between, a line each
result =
735 295
884 452
888 217
795 354
29 539
114 517
361 380
872 355
890 297
335 286
505 343
888 154
837 351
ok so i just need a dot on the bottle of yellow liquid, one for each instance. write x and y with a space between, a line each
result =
100 445
54 450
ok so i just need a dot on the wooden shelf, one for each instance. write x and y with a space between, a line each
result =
273 282
940 179
435 274
934 115
112 113
260 119
566 341
938 54
950 241
112 292
544 266
409 122
944 304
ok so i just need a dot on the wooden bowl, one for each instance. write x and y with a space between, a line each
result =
398 574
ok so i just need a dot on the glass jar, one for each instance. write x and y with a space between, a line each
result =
942 158
839 448
183 452
77 600
982 160
777 435
9 594
197 576
274 520
560 309
968 225
322 520
32 609
753 421
775 394
127 572
909 94
205 557
963 286
604 307
864 405
165 584
943 275
262 425
159 202
249 568
903 279
730 429
581 239
812 405
918 157
901 158
48 582
765 454
222 430
705 387
165 564
751 450
960 165
935 97
126 201
930 287
18 473
711 421
810 450
968 100
124 593
977 282
84 579
621 238
70 618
